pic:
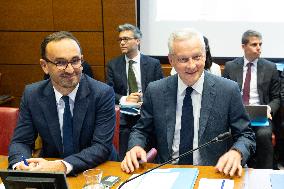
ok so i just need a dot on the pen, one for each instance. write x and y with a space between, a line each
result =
223 184
25 161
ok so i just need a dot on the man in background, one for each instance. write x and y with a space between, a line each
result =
129 75
258 81
73 114
190 108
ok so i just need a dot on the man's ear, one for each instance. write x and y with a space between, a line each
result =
43 65
170 57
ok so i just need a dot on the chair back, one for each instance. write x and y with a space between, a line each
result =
116 129
8 122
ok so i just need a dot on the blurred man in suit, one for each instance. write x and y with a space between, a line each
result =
190 108
258 80
129 75
73 114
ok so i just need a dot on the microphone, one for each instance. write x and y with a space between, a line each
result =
219 138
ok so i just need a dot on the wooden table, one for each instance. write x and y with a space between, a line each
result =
113 168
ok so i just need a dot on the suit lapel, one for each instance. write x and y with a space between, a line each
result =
121 68
170 106
208 98
239 72
51 116
260 76
143 68
79 112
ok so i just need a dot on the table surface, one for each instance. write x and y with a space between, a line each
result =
113 168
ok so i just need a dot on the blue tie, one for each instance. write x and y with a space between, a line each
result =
68 147
187 128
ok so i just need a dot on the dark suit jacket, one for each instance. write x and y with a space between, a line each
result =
268 85
117 78
93 124
221 111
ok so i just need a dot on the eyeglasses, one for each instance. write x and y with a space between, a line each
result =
185 59
62 64
125 39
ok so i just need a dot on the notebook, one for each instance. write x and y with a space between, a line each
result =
257 115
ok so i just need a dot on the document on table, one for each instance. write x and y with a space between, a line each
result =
174 178
205 183
261 178
2 186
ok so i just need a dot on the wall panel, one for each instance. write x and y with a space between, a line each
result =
26 15
20 47
114 14
84 15
25 23
92 45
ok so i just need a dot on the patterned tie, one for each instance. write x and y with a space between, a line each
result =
68 147
187 128
132 83
246 89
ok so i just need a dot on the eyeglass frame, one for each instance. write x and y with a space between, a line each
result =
125 39
194 59
68 62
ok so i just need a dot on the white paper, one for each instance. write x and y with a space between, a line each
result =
205 183
2 186
259 178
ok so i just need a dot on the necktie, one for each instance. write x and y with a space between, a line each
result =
132 83
187 128
246 89
68 147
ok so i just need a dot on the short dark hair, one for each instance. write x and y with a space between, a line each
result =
248 34
129 27
57 36
209 60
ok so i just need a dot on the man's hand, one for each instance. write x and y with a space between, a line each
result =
130 162
44 165
24 167
134 97
230 163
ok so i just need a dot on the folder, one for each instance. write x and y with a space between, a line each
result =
173 178
277 181
257 115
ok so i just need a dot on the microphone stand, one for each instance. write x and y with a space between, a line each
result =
219 138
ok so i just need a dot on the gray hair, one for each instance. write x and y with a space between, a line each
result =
57 36
129 27
248 34
185 34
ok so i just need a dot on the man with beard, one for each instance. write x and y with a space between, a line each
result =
129 75
72 113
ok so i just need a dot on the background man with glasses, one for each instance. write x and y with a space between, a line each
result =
129 75
190 108
73 114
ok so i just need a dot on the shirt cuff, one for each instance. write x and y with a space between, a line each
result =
122 100
68 166
15 165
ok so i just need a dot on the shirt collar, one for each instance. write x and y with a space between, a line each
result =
136 58
197 86
254 62
71 95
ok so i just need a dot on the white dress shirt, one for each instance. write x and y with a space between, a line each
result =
196 97
60 110
137 72
253 95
